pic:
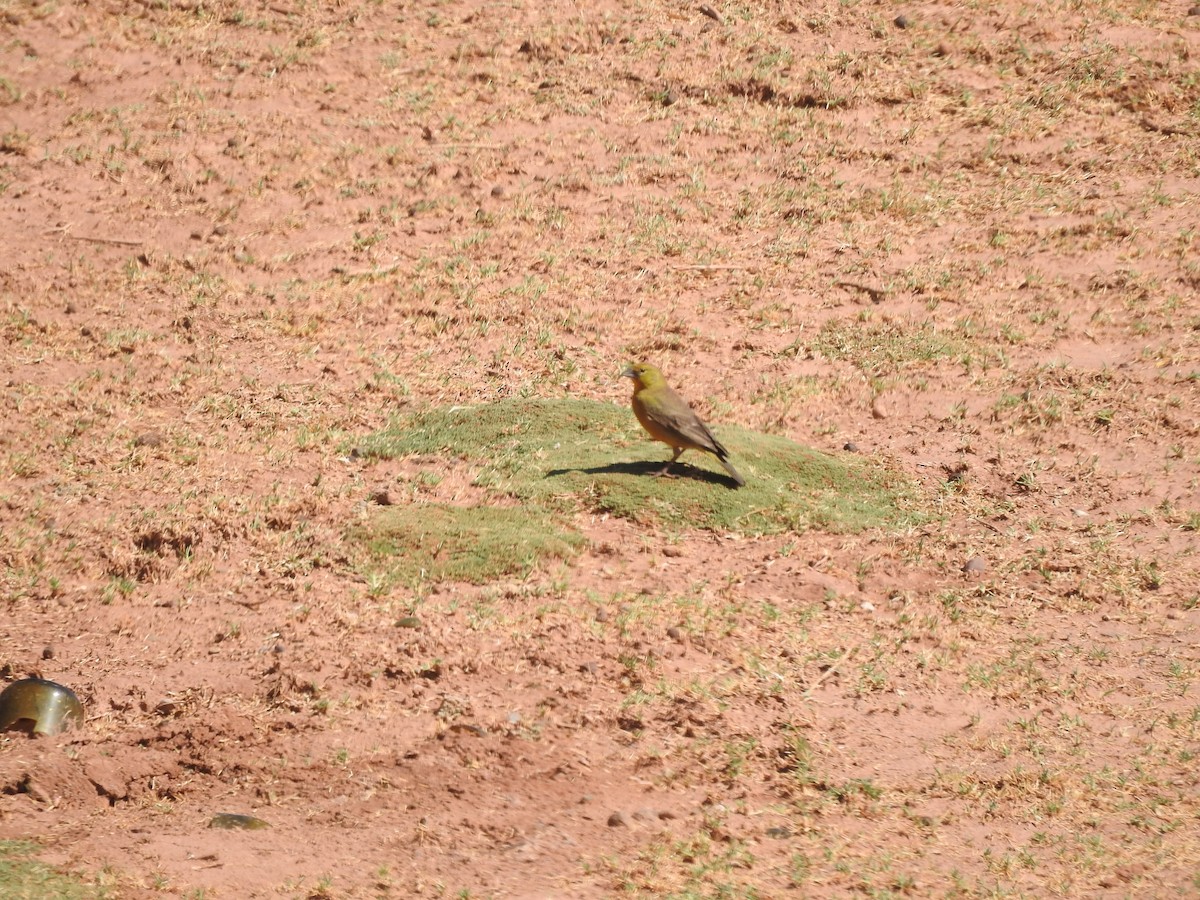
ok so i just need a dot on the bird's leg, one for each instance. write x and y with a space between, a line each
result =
663 471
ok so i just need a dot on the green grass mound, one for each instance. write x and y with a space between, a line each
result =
24 878
435 542
560 454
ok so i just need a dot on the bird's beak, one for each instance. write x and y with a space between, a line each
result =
629 373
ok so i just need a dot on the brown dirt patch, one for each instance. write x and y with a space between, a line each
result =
237 236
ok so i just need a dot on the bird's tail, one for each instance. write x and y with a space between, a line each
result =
733 473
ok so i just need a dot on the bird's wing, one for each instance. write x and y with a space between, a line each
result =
673 414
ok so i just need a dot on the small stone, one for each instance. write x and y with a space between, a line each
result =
850 447
675 633
1174 614
601 614
220 230
149 439
409 622
380 497
900 22
237 821
975 564
673 552
877 409
666 815
867 606
618 820
779 831
47 652
166 708
498 191
69 309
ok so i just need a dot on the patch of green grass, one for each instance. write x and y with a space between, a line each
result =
560 453
883 347
434 542
24 878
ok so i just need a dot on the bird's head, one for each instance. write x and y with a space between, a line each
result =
643 374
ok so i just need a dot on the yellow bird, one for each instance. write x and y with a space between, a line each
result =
668 418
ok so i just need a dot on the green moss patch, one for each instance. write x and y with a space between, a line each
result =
563 454
436 542
22 876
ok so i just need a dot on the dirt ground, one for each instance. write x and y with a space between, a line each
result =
237 237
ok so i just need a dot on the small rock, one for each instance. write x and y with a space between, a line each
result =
850 447
672 552
380 497
237 821
779 831
166 708
601 614
901 22
877 409
618 820
498 191
666 815
675 633
409 622
69 308
975 564
220 230
47 652
149 439
867 606
1174 614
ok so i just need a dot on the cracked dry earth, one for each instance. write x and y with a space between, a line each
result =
237 237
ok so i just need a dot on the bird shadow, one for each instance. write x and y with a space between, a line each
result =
649 469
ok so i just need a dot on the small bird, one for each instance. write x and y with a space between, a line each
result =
669 419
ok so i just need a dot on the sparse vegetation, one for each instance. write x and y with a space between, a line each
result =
318 485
